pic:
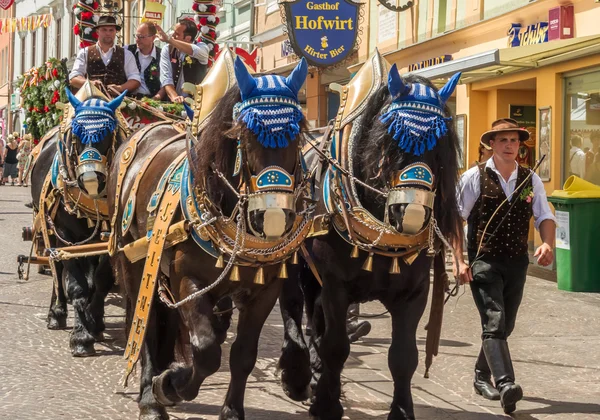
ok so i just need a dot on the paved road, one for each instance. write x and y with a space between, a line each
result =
555 348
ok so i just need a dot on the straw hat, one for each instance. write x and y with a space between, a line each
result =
504 125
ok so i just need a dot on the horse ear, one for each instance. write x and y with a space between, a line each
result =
395 84
72 99
189 111
297 77
449 87
244 79
115 103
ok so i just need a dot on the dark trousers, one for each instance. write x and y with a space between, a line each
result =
497 289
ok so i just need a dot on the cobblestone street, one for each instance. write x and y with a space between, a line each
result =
555 348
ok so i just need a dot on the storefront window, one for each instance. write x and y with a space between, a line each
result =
582 127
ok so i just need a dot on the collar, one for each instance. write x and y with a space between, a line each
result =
492 165
152 53
113 48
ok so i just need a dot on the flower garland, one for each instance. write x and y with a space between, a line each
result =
207 20
41 88
85 12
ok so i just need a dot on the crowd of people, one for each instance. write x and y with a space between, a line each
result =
14 152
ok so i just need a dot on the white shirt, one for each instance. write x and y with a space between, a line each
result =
469 190
145 61
200 53
80 65
577 161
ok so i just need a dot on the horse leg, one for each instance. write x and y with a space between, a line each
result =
57 314
316 322
245 348
403 355
334 348
103 281
183 382
78 290
294 362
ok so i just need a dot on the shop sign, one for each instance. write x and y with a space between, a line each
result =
429 62
530 35
324 32
154 12
560 20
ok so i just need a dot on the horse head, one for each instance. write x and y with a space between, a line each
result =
91 140
411 150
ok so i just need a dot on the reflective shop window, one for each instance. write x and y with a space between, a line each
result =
581 153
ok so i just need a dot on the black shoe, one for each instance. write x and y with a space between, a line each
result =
498 358
357 330
483 386
510 394
29 205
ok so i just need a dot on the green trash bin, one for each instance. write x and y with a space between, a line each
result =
577 243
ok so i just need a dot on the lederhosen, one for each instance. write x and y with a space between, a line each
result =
114 73
500 270
192 73
152 81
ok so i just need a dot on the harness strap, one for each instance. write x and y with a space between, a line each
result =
43 208
146 293
126 159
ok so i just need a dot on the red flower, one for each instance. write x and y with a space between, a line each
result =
217 20
55 97
212 34
203 21
86 15
30 109
195 7
76 30
46 109
216 48
95 5
55 72
212 8
95 35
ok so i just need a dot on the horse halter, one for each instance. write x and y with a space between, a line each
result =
413 187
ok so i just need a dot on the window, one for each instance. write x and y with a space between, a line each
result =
581 155
44 45
59 38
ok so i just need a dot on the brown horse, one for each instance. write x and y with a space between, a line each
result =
239 150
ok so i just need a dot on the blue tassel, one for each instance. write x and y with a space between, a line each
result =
415 131
274 126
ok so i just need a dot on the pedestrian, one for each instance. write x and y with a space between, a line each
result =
576 157
497 198
485 152
2 146
23 156
10 161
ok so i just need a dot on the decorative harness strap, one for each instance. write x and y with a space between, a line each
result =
126 159
46 204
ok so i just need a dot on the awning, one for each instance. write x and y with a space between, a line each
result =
503 61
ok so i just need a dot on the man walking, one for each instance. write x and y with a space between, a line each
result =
497 198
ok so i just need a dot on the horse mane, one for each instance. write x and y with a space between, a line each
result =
378 155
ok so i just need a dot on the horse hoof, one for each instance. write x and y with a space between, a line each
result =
153 413
56 323
99 337
228 413
83 350
295 393
157 390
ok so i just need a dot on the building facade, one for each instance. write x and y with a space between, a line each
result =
6 68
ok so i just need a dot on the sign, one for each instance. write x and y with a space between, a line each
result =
562 230
430 62
154 12
524 115
388 25
530 35
560 21
324 32
14 101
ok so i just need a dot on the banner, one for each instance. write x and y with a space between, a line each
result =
323 32
25 24
154 12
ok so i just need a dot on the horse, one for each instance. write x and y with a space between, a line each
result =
388 187
236 184
68 185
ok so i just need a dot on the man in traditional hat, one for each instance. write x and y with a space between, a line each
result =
105 62
497 244
184 60
147 59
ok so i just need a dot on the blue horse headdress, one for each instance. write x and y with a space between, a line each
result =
94 118
415 118
270 107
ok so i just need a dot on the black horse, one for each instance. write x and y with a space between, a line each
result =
236 152
385 150
71 172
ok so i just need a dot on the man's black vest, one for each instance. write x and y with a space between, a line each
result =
114 73
511 238
193 72
152 73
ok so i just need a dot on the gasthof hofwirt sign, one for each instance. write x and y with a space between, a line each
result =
324 32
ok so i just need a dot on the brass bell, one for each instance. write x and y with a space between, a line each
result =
220 262
354 253
295 259
235 274
395 267
259 278
283 273
368 265
411 258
